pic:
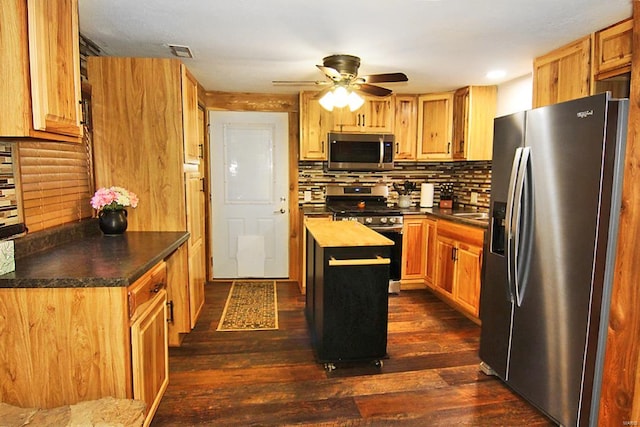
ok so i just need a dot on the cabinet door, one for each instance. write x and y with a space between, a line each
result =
430 251
413 248
612 49
460 123
54 61
468 260
563 74
315 125
192 147
435 115
406 127
375 116
474 108
445 264
150 354
195 226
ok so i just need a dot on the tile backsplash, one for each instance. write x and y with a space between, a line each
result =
467 177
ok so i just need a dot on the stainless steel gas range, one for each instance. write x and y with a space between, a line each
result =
369 206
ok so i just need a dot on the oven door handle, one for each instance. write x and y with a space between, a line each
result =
387 229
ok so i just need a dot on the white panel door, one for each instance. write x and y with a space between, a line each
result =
249 173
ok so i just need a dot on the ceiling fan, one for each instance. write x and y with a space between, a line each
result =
343 82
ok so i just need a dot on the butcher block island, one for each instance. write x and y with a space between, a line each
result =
87 320
347 292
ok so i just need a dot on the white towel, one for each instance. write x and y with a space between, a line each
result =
250 256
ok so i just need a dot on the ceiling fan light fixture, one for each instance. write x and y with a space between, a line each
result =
355 101
341 97
327 101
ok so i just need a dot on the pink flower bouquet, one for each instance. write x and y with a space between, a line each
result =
113 198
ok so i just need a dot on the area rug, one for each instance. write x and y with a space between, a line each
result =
252 305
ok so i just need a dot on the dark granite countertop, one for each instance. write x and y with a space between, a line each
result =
448 214
94 261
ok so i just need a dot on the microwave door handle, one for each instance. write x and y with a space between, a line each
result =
381 151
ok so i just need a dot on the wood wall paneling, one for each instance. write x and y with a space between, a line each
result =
620 400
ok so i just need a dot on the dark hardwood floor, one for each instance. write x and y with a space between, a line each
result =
431 377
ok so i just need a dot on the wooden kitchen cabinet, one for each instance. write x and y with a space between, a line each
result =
612 50
474 108
413 248
430 251
375 116
40 68
405 128
76 344
435 122
196 244
563 74
315 125
138 117
193 149
149 338
458 265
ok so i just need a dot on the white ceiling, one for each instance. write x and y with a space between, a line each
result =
242 45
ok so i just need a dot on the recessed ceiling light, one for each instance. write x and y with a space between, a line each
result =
180 51
496 74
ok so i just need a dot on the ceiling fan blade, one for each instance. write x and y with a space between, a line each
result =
386 78
321 93
373 90
299 82
332 73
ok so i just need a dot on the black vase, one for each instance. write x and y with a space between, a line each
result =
113 222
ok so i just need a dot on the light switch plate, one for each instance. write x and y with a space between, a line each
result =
307 196
474 198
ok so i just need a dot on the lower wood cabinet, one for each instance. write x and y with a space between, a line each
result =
413 249
458 265
445 256
69 345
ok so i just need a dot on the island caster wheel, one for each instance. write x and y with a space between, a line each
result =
378 363
329 367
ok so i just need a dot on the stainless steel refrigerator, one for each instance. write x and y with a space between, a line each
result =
548 266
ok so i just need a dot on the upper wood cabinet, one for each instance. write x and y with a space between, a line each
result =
612 50
315 125
193 149
563 74
435 119
376 116
406 127
474 108
40 68
138 117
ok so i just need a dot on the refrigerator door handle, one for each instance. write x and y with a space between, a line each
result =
518 225
511 200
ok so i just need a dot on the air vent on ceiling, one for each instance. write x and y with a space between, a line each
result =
181 51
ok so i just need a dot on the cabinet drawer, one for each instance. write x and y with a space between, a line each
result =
147 287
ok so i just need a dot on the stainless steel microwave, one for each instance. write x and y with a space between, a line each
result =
360 151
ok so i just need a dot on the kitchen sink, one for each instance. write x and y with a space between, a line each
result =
472 215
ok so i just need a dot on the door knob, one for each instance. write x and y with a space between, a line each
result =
280 211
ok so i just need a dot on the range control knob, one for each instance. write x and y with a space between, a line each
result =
368 220
383 220
392 220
